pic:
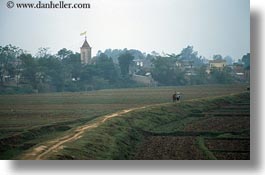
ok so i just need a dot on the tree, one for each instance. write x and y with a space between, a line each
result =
51 71
166 73
29 69
106 67
125 60
72 66
43 52
246 61
229 60
87 75
8 61
188 54
221 76
201 76
217 57
64 53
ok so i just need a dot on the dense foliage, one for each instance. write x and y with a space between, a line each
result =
21 72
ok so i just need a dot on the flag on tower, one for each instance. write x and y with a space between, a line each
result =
83 33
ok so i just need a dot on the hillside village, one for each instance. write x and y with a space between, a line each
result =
21 72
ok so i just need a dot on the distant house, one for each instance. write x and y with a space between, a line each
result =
238 68
179 64
139 62
5 74
239 72
217 64
146 80
187 66
140 66
140 72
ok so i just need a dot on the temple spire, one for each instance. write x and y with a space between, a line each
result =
85 52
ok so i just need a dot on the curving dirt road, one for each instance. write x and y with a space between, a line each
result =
42 151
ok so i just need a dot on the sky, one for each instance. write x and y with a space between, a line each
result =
210 26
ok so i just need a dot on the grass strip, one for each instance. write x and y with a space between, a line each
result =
207 153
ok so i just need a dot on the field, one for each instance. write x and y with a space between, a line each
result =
220 133
164 132
27 121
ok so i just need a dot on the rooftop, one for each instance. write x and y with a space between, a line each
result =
217 61
85 44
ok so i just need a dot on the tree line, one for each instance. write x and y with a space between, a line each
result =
21 72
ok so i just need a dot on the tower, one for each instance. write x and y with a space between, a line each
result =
85 52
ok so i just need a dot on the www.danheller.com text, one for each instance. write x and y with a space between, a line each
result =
49 5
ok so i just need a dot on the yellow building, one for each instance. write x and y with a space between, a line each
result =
218 64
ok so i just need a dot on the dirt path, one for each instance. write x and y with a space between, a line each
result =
41 152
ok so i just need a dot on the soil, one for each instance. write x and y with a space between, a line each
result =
169 148
229 145
219 124
231 156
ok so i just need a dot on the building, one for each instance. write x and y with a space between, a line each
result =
240 73
187 66
85 52
217 64
138 62
146 80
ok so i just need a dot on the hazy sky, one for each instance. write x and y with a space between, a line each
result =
211 26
